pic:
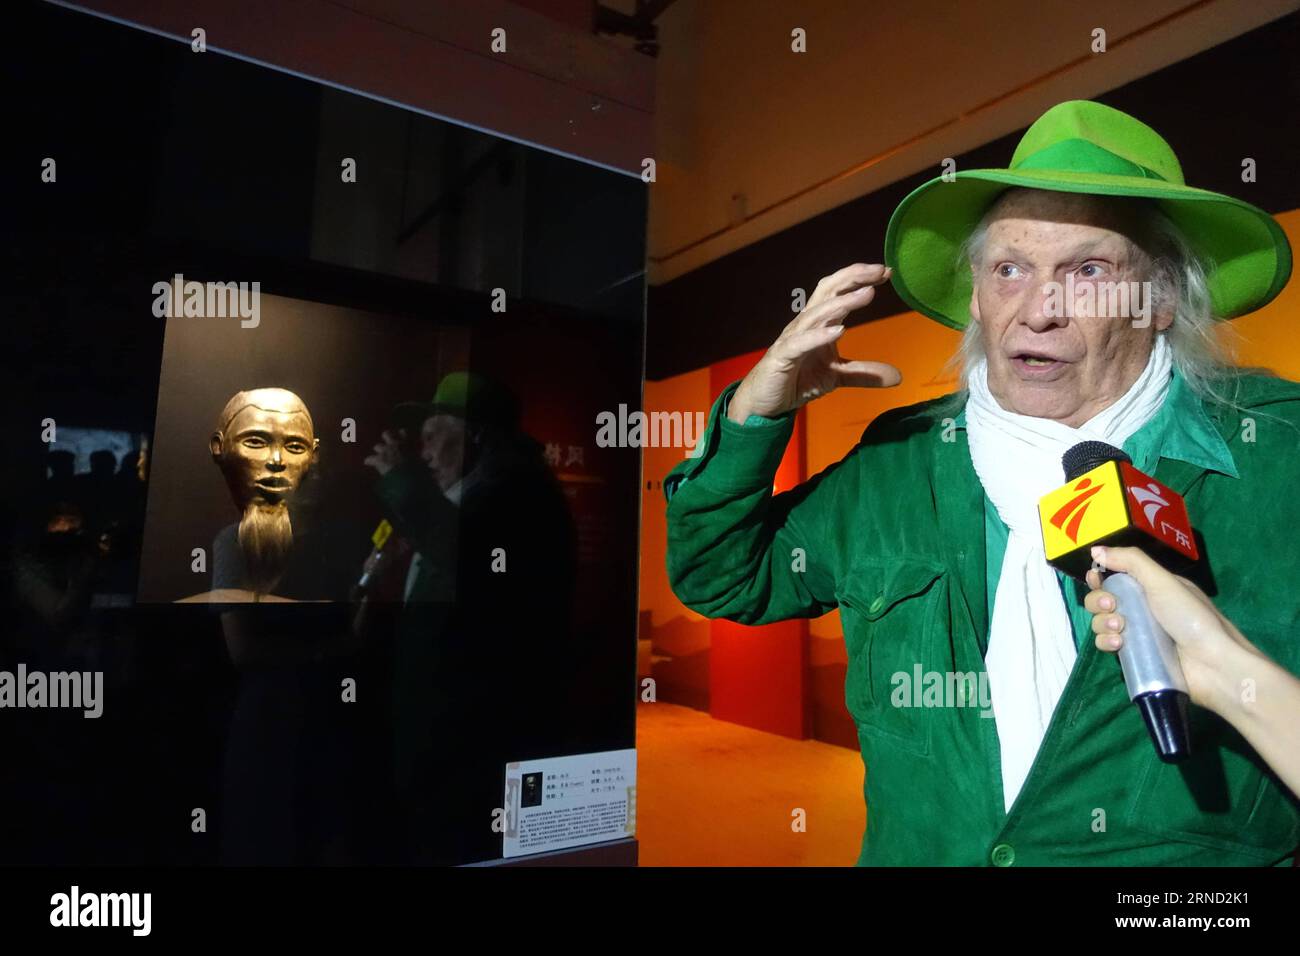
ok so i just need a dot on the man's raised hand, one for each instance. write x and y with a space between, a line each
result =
387 454
804 363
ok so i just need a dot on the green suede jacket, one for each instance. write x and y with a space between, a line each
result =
894 535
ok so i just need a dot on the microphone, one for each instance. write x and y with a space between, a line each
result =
379 539
1107 501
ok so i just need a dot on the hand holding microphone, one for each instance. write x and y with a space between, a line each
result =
1219 661
379 540
1106 501
1210 647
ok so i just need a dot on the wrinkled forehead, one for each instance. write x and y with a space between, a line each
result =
291 423
1046 215
442 425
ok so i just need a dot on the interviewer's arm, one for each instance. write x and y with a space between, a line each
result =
1262 701
1225 672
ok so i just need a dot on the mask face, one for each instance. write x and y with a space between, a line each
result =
266 449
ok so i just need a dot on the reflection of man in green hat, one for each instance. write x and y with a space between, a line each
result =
467 433
469 418
486 607
1089 280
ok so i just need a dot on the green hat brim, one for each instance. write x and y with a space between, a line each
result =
1246 253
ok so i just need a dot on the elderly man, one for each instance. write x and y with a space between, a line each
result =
926 536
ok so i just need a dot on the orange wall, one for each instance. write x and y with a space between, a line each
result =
675 640
689 392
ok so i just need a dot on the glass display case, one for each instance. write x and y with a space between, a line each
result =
303 391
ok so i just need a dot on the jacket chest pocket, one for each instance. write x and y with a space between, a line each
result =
890 612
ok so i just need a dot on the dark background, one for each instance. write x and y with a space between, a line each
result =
168 162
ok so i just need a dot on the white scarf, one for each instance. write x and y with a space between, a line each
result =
1031 638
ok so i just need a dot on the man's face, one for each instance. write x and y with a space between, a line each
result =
266 453
443 448
1037 238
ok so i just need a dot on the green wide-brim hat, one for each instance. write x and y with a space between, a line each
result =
467 395
1084 147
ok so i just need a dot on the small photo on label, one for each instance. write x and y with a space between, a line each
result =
532 792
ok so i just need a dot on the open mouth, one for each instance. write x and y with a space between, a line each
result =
1036 363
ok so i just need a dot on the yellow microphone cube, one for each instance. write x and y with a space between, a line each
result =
1084 511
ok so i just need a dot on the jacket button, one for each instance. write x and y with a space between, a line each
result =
878 603
1003 855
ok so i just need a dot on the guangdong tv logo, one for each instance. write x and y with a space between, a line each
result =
1150 500
1075 509
1099 503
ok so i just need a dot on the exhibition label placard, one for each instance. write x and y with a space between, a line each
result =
562 802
